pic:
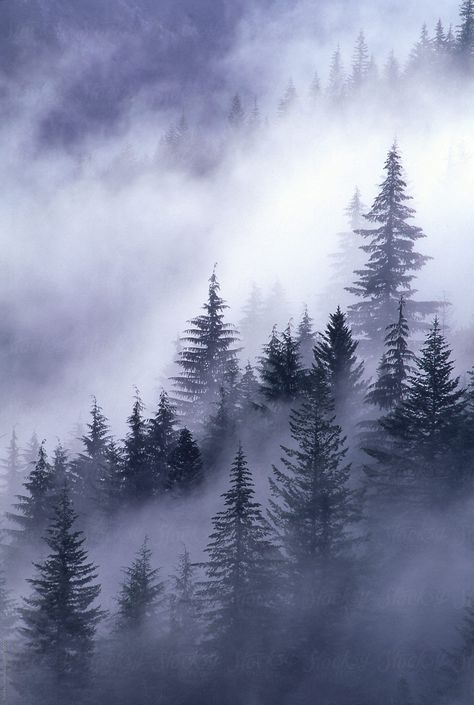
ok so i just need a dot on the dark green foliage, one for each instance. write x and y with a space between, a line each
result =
391 386
205 357
141 594
280 368
313 508
59 619
422 456
465 33
12 468
335 354
389 272
239 569
161 440
138 479
34 508
185 465
306 339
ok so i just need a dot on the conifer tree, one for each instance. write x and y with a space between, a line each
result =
389 272
465 33
280 368
34 508
391 386
239 570
421 458
138 479
312 506
335 354
183 602
161 440
252 322
89 467
60 469
236 114
288 101
30 453
12 468
59 619
306 339
315 89
429 417
421 59
141 593
392 73
439 43
185 465
360 64
247 399
337 80
348 257
205 357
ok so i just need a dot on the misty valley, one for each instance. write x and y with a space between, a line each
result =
237 388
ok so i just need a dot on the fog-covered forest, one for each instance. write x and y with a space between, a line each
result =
236 352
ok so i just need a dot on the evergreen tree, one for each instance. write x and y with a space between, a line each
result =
205 358
59 619
388 274
306 339
34 508
392 72
429 417
161 439
141 594
12 468
337 80
89 467
465 33
391 386
185 465
239 569
421 59
183 602
236 114
252 321
280 368
312 506
315 89
439 43
138 479
335 354
248 391
421 458
288 101
360 64
349 257
60 469
30 453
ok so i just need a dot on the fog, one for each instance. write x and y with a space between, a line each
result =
110 235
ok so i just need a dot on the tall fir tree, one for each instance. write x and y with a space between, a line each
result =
236 113
288 101
313 508
336 90
12 468
162 437
306 339
391 385
252 322
280 368
138 479
422 55
34 508
60 617
236 594
205 357
360 64
421 459
141 594
465 34
335 354
392 262
184 608
185 465
348 256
